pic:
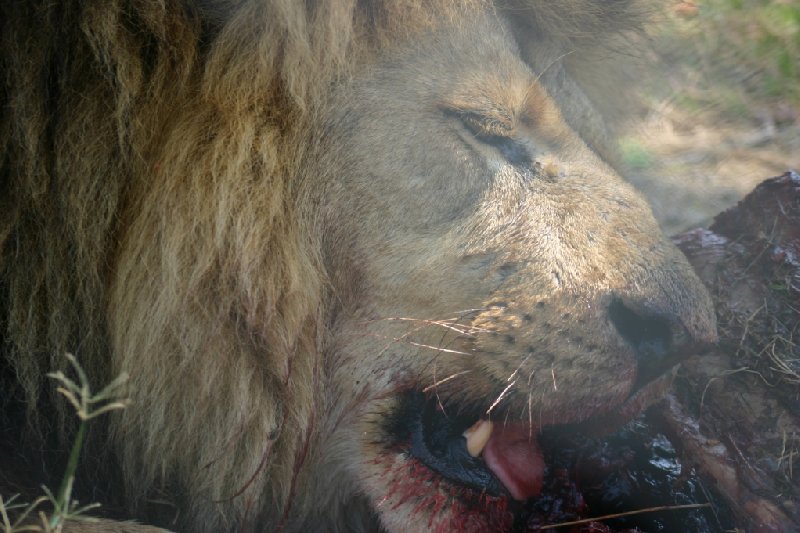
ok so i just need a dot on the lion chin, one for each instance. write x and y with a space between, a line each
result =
365 262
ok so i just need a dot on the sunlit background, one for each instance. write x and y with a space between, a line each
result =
721 106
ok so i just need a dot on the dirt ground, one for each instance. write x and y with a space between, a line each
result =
720 87
690 169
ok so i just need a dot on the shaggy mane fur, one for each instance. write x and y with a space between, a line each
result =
107 106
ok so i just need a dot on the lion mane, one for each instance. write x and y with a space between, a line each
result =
153 219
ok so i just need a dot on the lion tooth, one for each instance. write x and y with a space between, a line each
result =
477 436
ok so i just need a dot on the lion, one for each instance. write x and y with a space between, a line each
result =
355 256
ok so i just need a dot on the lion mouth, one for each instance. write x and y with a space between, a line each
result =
482 456
511 463
497 459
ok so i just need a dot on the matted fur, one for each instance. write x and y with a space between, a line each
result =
153 216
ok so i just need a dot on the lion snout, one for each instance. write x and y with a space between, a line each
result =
658 337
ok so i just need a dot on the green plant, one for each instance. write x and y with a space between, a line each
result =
634 155
87 406
746 48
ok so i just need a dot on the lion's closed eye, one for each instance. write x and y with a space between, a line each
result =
495 131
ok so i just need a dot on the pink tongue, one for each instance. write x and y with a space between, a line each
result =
514 456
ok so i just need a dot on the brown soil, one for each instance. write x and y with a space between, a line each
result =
699 167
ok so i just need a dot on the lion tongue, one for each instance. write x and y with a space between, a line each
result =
514 456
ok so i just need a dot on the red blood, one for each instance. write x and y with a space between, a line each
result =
514 456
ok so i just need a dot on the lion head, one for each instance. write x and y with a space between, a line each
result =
355 257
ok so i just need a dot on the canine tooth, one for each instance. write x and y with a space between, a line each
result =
477 436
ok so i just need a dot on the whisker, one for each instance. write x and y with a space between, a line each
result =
443 342
449 323
437 348
445 380
438 399
403 338
500 398
530 415
522 363
394 339
413 343
530 405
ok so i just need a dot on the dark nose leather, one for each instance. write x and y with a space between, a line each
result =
659 339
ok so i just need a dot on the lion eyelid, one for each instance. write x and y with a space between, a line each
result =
482 124
494 128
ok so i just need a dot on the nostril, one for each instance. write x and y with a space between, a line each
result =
651 338
647 334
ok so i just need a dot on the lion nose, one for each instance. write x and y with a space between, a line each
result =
660 340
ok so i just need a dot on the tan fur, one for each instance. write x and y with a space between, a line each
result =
236 202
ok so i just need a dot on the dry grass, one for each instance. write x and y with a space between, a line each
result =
17 516
733 58
722 106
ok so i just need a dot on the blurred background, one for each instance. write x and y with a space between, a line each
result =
721 109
